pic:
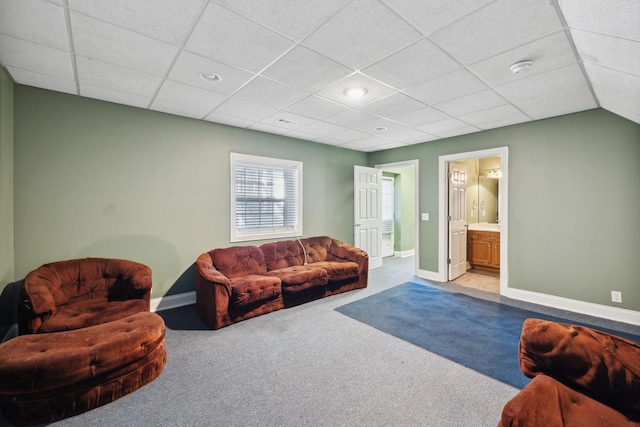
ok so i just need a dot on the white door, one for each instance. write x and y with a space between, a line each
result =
457 220
367 183
388 215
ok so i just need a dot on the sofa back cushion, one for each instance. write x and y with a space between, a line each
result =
68 282
318 248
238 261
282 254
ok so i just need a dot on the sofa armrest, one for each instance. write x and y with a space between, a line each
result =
350 253
213 293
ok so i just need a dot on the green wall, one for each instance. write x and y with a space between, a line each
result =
573 203
6 179
99 179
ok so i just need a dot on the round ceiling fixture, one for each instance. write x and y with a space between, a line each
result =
210 77
521 66
355 92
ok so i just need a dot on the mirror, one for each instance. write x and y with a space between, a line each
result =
483 192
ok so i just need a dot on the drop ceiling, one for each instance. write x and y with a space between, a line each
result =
432 69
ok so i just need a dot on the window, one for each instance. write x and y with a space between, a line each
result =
266 198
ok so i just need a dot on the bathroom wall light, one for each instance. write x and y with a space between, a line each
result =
355 92
494 173
210 77
521 66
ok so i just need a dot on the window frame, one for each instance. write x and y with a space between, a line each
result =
263 233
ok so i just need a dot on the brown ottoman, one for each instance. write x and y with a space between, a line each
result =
46 377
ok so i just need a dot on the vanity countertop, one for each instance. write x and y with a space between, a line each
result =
484 226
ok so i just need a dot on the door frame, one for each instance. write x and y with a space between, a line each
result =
416 190
503 205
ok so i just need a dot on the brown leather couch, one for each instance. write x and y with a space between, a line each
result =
240 282
581 377
75 294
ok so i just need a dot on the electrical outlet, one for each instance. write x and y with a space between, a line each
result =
616 296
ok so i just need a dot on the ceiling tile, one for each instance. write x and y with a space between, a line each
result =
411 135
109 95
375 90
306 70
412 65
616 53
38 58
498 27
449 86
380 127
349 135
548 53
613 17
29 78
35 20
227 120
189 96
470 103
295 18
315 107
270 93
421 117
287 120
362 33
167 20
442 126
178 110
232 39
432 15
502 115
563 102
457 132
245 110
262 127
101 74
322 128
301 135
395 105
545 83
188 67
351 118
617 87
108 43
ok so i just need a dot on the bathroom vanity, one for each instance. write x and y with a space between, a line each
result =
483 247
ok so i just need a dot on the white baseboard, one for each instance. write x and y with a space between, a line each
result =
429 275
597 310
404 254
173 301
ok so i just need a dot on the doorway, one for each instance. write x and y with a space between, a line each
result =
488 266
405 209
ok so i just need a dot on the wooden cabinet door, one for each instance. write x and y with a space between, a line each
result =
495 254
481 251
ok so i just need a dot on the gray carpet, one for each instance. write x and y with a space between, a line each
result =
304 366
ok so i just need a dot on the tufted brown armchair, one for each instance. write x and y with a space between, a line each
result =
74 294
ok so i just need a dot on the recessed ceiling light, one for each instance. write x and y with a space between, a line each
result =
355 92
521 66
210 77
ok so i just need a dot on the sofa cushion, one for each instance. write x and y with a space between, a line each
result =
90 313
253 289
604 366
549 403
338 271
238 261
300 278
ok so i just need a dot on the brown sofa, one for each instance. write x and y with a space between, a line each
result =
50 376
79 293
581 377
240 282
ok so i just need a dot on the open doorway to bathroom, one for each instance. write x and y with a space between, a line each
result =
473 232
